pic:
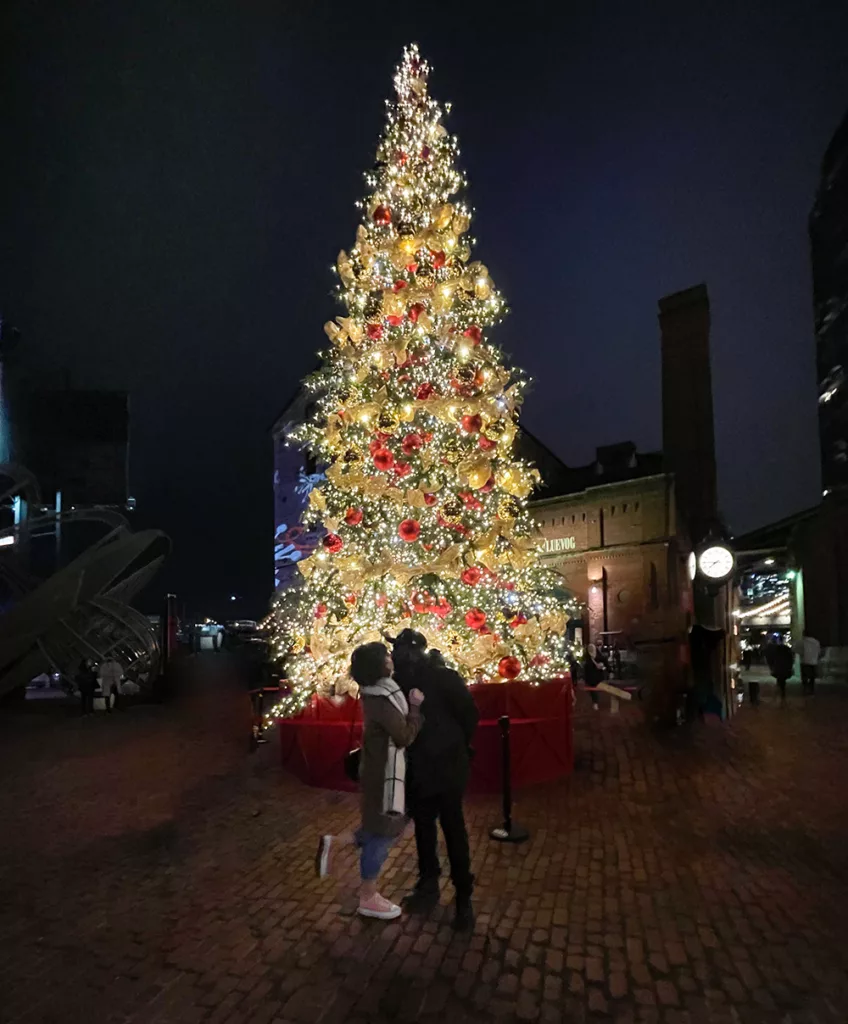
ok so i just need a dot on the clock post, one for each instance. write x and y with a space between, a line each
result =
712 640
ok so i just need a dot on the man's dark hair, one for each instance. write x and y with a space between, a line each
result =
409 638
368 663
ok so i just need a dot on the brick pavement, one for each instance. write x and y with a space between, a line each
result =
151 872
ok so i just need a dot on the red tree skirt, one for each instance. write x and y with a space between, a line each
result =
313 744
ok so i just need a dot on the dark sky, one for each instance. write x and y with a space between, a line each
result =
177 178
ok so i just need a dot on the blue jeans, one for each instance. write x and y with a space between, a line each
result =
373 851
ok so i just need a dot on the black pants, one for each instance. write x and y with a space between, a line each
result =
447 807
754 691
87 701
808 677
781 686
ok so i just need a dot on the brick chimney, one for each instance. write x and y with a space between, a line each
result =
687 404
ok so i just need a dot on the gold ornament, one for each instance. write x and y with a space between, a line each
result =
393 304
477 472
442 217
352 456
467 373
509 508
343 264
297 645
514 481
388 421
494 431
461 221
407 247
452 639
452 450
451 510
407 413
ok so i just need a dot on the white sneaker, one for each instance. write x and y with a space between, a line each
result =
379 907
322 857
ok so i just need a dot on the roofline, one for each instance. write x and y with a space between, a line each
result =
601 487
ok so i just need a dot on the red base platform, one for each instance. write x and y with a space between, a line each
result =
314 743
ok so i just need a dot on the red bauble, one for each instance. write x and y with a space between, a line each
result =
443 608
470 501
475 618
430 499
394 321
415 310
383 459
411 443
380 600
439 259
382 216
472 424
320 611
472 576
424 391
398 286
403 469
519 620
411 268
353 516
485 444
509 667
374 331
409 530
474 333
350 599
333 543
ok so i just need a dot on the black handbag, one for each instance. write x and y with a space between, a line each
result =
353 757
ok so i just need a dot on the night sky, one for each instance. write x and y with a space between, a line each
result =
178 177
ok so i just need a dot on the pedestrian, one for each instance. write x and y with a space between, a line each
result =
593 673
391 722
109 677
810 654
747 655
439 762
780 661
86 682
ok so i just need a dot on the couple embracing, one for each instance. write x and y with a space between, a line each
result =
419 719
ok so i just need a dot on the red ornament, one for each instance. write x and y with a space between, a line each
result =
353 516
424 391
409 530
350 599
484 444
475 618
401 157
509 667
539 659
411 443
488 485
411 268
333 543
472 576
380 600
415 310
382 216
374 331
403 469
383 459
439 259
398 286
519 620
470 501
443 608
320 611
472 424
394 321
474 333
430 499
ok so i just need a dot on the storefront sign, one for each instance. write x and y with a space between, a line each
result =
554 544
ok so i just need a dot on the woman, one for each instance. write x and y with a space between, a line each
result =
593 673
86 680
391 723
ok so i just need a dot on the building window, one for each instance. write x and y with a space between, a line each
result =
636 506
612 510
624 507
584 517
574 519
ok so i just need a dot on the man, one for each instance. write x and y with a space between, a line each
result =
110 677
810 654
437 772
781 661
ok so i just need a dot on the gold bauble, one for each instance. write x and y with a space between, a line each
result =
407 413
463 251
442 217
494 431
452 450
509 508
461 222
478 473
451 638
451 510
467 373
352 455
297 645
388 421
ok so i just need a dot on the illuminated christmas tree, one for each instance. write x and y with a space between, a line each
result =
423 502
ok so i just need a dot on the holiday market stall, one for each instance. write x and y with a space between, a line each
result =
420 498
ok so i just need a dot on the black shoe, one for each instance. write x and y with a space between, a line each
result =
421 900
464 917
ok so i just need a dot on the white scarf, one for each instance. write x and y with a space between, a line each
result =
394 785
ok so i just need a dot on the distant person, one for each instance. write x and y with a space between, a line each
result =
86 683
593 673
391 722
810 654
747 658
109 677
780 661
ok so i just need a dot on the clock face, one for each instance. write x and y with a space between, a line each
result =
716 562
692 565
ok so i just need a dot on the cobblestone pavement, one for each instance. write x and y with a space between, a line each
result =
150 871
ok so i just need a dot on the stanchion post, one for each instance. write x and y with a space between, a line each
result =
509 832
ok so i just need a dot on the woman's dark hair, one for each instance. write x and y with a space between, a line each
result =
368 663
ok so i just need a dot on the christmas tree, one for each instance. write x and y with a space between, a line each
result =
424 502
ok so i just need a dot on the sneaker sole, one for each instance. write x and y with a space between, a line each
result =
322 857
380 915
